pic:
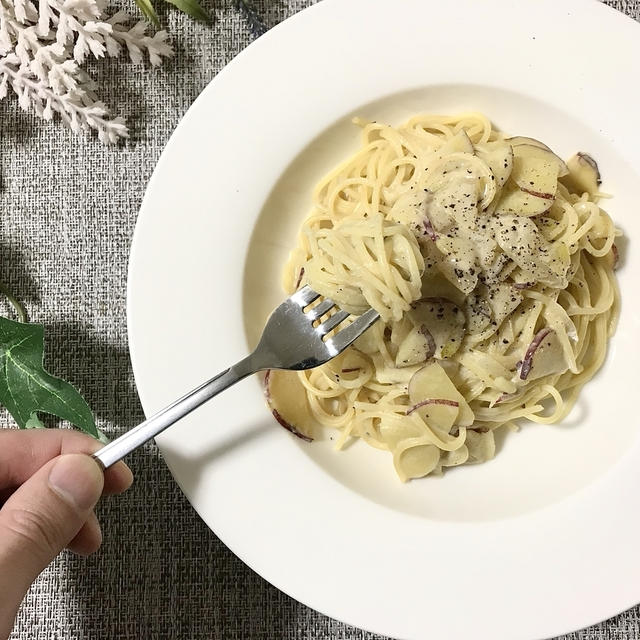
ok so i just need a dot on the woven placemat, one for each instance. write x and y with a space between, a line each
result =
69 207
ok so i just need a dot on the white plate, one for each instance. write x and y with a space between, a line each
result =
540 541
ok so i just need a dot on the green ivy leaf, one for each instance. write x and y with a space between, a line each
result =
148 11
34 422
25 386
192 8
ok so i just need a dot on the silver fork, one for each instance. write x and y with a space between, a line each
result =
289 341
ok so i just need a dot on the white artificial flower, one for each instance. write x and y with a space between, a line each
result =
42 50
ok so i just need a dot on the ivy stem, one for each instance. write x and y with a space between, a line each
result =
19 309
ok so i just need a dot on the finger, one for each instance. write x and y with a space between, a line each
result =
22 453
88 539
117 479
40 519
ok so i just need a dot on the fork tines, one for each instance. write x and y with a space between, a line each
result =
306 295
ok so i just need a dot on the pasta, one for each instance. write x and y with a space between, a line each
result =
491 264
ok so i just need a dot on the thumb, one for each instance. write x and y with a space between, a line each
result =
41 518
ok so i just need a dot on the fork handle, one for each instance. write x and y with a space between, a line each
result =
151 427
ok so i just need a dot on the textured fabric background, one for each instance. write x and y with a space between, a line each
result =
68 210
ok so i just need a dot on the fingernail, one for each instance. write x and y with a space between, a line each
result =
77 479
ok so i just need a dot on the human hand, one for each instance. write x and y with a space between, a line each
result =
48 489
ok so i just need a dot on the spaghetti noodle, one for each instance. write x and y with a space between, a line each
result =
491 264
